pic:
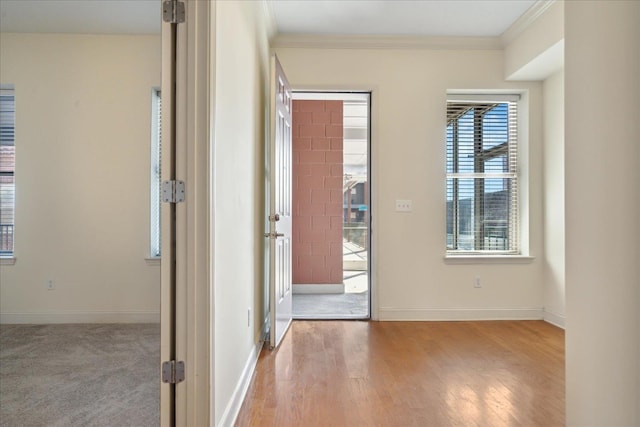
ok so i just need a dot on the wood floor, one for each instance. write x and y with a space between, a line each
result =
349 373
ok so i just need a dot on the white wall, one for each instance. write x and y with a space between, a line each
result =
242 73
82 199
408 124
553 200
602 152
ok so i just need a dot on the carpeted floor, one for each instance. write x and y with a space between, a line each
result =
79 375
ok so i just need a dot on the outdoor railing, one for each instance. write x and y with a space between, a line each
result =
355 233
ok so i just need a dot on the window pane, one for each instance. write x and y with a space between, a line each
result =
7 195
466 139
155 176
495 221
495 126
7 159
481 176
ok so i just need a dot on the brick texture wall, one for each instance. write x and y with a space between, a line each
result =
317 192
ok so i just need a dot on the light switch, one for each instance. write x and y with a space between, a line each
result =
403 206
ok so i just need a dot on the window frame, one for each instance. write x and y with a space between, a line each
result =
512 149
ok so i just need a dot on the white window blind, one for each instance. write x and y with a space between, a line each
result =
156 168
482 175
7 171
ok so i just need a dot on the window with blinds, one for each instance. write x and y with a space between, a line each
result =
482 175
156 176
7 170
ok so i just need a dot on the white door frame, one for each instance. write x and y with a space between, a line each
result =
195 83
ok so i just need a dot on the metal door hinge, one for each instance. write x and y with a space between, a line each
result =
273 235
172 372
173 191
173 11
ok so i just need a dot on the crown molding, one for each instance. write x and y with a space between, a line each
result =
525 20
310 41
270 20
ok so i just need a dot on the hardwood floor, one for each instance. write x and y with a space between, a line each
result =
346 373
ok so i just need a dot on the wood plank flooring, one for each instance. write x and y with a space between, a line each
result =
346 373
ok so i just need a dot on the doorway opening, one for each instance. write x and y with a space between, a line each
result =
331 205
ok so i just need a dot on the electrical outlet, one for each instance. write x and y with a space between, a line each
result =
50 285
476 283
249 317
403 205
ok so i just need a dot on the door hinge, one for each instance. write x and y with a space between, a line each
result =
173 191
172 372
173 11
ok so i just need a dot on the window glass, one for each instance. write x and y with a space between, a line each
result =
481 150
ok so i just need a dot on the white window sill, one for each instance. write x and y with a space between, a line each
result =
153 261
488 259
8 260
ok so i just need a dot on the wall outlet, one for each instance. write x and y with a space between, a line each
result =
403 205
249 317
50 285
476 283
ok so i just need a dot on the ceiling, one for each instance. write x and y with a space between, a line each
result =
477 18
437 18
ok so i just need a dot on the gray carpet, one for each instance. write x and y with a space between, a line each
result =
331 306
79 375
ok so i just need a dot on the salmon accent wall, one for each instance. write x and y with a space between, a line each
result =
317 192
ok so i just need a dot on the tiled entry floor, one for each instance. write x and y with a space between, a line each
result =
353 304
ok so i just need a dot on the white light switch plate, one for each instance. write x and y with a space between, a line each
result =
403 206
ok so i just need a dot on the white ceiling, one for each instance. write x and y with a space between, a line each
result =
473 18
373 17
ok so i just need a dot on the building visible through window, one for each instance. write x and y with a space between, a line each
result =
482 176
7 171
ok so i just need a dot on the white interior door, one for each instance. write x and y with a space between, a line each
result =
280 302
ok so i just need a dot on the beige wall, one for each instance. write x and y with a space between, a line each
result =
82 173
411 278
602 152
242 73
554 216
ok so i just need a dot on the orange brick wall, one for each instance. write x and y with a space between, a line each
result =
317 192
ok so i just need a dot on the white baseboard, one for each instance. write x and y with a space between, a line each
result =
330 288
554 319
232 410
444 314
41 318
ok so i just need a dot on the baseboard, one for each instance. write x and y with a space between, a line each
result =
554 319
444 314
39 318
232 410
329 288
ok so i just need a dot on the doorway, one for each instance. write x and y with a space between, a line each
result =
85 288
332 205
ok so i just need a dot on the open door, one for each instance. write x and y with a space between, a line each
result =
170 372
279 235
